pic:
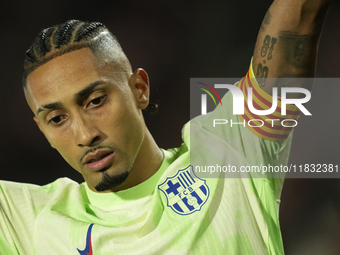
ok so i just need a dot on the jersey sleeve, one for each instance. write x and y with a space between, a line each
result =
274 130
234 144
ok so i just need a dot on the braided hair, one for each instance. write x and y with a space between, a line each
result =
69 36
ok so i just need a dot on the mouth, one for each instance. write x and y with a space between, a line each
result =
98 160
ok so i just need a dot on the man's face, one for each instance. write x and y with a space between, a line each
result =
90 115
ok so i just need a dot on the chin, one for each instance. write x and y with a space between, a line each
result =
109 182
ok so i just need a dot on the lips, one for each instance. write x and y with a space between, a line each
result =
98 160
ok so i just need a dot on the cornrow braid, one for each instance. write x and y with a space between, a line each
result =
44 47
66 33
88 30
66 37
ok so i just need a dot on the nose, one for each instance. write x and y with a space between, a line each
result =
85 132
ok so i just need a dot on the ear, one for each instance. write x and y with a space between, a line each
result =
139 84
38 124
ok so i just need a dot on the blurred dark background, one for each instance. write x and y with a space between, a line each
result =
173 41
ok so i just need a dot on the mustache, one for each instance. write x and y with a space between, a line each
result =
94 149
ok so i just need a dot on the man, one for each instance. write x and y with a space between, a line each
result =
88 102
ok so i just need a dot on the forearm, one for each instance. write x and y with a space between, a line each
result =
288 40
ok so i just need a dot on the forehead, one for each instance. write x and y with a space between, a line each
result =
62 76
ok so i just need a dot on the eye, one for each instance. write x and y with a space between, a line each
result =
97 101
56 120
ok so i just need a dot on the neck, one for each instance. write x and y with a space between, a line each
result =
148 161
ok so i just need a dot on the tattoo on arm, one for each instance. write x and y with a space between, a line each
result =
293 53
266 53
298 49
261 74
266 47
270 54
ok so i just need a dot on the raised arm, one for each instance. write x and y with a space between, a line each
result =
287 42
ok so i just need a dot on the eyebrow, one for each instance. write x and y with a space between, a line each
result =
49 106
78 96
84 92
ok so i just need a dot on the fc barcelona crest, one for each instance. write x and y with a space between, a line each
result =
185 192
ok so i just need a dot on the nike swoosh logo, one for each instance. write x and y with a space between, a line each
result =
88 248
